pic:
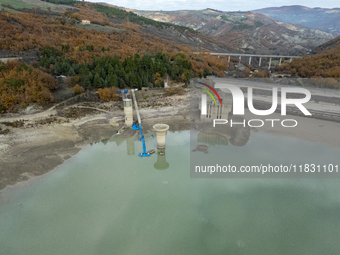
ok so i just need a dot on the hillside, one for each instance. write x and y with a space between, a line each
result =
324 64
32 4
327 45
107 53
117 15
245 31
319 18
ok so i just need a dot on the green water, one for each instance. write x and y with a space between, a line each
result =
104 201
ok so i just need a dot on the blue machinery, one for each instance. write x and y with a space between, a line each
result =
122 91
135 127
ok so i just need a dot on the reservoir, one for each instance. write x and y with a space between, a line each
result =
107 200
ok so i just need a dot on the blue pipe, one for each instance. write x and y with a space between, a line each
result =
143 154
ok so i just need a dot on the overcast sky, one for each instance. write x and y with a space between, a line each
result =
225 5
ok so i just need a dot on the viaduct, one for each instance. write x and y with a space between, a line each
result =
252 55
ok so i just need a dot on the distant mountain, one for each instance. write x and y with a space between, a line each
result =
320 18
245 31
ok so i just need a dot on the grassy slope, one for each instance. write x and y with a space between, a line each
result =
29 4
18 4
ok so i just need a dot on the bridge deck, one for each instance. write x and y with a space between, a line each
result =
247 55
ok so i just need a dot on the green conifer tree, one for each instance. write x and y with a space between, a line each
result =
97 81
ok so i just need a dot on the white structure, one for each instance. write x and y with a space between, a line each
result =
85 22
128 112
5 60
161 132
166 84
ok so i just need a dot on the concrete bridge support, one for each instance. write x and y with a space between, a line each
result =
240 55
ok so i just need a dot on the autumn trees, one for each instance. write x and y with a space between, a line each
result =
78 89
22 84
324 64
91 59
108 94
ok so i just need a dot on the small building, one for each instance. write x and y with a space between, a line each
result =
85 22
5 60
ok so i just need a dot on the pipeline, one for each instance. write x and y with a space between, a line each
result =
139 127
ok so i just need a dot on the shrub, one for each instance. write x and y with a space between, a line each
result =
246 70
180 91
78 89
262 74
175 90
108 94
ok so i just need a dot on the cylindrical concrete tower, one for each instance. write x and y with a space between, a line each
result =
128 112
161 132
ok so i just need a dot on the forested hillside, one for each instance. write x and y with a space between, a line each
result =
103 54
22 84
68 2
324 64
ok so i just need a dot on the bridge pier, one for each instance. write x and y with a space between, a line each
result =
240 55
270 63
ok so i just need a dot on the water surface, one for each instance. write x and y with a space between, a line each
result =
107 200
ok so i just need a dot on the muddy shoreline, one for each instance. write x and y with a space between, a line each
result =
35 151
31 151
